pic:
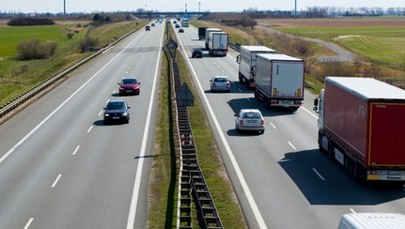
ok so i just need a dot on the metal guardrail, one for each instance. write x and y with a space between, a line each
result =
192 186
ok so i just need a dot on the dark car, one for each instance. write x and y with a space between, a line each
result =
147 28
129 85
116 110
181 30
177 26
197 53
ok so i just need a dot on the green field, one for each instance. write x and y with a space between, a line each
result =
18 76
382 44
12 35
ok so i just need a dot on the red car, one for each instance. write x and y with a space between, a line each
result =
129 86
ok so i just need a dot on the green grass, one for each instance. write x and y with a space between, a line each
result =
378 44
12 35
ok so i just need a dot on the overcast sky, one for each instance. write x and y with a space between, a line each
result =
89 6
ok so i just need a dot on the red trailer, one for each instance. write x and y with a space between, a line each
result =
362 126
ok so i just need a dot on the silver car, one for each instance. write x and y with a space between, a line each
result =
220 83
249 120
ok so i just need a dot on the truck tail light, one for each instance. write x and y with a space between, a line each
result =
241 123
274 91
298 93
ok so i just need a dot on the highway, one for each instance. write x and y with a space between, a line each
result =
281 179
61 167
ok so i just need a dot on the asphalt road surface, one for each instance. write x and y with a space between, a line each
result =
61 167
281 179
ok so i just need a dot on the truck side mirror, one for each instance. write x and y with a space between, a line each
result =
316 103
238 59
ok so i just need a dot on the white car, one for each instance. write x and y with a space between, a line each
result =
220 83
249 120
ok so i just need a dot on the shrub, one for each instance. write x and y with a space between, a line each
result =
34 49
30 21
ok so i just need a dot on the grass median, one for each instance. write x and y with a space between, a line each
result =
162 190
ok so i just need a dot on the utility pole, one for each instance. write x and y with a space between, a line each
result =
64 9
295 13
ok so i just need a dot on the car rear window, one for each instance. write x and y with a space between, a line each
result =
129 81
251 115
115 106
220 80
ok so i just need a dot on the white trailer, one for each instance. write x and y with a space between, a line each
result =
279 80
247 62
218 44
207 34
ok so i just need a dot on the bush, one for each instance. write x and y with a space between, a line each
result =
30 21
34 49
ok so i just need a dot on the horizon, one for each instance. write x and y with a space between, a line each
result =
91 6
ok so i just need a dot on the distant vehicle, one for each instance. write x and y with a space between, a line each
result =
249 120
218 43
372 220
153 24
185 22
147 28
361 125
201 33
116 110
177 26
247 62
220 83
129 85
197 53
207 33
181 30
279 80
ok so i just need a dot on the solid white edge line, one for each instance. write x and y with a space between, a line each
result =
138 176
245 187
61 105
28 223
56 181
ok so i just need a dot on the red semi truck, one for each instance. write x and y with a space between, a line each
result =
362 126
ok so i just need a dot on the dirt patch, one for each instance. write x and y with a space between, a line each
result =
335 22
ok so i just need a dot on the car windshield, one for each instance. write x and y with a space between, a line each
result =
251 115
129 81
115 106
220 80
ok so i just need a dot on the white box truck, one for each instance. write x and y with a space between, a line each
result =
372 221
218 44
207 35
247 62
279 80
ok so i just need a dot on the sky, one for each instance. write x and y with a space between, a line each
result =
91 6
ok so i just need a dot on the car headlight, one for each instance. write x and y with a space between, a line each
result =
125 114
106 115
